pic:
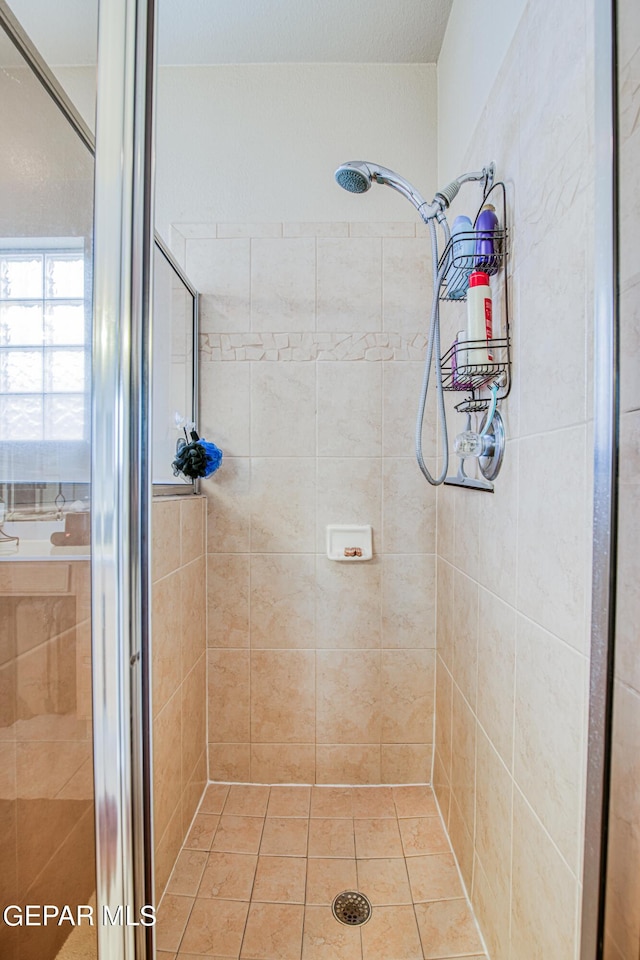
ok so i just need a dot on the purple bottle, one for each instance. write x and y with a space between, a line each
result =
486 258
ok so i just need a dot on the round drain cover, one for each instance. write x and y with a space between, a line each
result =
351 908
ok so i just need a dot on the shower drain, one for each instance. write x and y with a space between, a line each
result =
351 908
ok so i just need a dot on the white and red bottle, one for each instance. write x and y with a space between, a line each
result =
479 322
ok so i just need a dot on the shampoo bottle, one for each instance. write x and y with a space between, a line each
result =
486 257
462 251
479 323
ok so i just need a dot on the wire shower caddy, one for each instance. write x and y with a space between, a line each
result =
475 365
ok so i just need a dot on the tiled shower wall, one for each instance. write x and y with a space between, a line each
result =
312 337
179 674
513 568
623 882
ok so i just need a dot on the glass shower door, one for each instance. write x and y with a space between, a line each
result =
46 759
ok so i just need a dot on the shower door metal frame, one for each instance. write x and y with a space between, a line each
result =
121 482
605 480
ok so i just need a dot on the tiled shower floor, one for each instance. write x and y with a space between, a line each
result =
261 866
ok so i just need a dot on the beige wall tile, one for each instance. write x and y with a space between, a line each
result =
409 522
492 914
228 599
552 541
329 229
444 612
283 284
225 407
193 528
402 383
348 604
349 409
542 926
228 695
228 506
463 760
167 757
408 600
282 696
461 836
283 762
443 717
407 693
407 283
494 789
220 270
348 697
349 284
548 736
282 505
229 761
347 763
194 606
166 529
348 492
406 762
496 672
282 600
283 409
194 720
465 635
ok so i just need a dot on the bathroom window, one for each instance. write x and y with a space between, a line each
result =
44 343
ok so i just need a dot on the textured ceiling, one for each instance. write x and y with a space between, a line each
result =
254 31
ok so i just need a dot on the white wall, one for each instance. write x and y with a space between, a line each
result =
473 49
260 142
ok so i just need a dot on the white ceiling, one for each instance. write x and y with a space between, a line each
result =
254 31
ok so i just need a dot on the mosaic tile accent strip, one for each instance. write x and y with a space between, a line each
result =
312 346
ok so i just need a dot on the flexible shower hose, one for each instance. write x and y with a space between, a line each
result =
434 342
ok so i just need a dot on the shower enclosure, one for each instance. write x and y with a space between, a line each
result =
119 701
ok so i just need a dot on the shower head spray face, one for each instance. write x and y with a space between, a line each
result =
354 177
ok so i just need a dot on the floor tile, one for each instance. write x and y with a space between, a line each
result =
172 919
332 802
228 876
202 832
327 878
447 929
372 802
274 932
247 800
391 932
284 837
280 880
415 802
423 835
289 802
434 877
326 939
331 838
215 927
214 798
238 834
384 882
187 873
378 839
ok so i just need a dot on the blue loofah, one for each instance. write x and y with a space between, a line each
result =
214 456
196 459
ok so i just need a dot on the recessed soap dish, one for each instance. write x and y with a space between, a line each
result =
349 543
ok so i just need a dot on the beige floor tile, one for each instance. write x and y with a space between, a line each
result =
247 800
326 939
447 929
187 872
280 880
371 802
332 802
172 919
238 834
327 878
285 837
391 932
228 876
434 877
214 798
423 835
331 838
215 927
274 932
377 839
415 802
202 832
289 802
384 882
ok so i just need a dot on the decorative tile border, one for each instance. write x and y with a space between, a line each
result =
311 346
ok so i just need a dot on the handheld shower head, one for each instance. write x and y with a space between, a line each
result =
354 177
